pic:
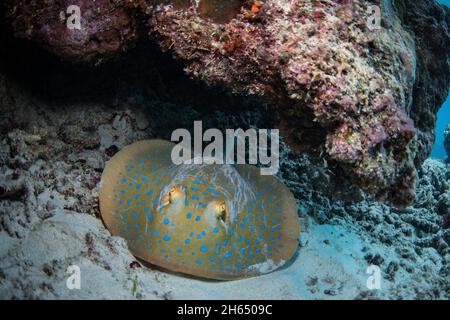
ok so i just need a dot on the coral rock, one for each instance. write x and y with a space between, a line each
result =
107 27
342 91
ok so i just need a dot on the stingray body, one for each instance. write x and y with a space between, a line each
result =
211 221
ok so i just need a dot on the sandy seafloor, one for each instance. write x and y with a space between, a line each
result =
59 127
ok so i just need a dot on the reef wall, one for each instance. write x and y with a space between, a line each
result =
364 100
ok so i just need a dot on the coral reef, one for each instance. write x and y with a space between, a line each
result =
53 148
364 100
60 123
429 23
107 27
341 90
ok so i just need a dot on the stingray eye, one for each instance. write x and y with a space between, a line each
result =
222 211
174 193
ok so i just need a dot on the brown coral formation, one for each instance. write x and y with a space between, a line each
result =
340 89
107 27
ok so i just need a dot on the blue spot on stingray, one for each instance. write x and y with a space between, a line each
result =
129 201
262 227
188 216
122 192
211 259
124 180
228 255
191 234
155 233
203 249
137 196
166 238
216 230
149 192
120 201
146 208
195 197
179 250
138 186
196 182
249 211
124 219
198 261
187 241
199 236
197 218
203 233
166 221
239 239
252 228
144 178
194 189
257 250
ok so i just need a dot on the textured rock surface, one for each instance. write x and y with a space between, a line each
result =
107 27
340 90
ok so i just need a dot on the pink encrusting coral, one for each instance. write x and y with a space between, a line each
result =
339 88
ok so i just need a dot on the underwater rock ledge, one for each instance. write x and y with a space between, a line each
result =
364 100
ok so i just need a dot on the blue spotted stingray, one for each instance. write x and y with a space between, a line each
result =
210 220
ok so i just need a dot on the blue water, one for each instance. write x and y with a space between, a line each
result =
443 118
